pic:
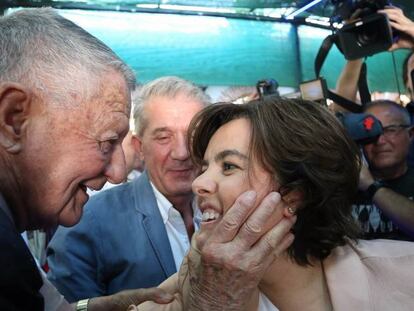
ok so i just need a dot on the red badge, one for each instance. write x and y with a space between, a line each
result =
368 123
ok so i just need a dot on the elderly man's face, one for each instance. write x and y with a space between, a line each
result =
391 149
164 144
71 149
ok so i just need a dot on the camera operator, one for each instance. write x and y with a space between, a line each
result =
384 206
348 80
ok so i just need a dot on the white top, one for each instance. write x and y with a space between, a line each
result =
54 301
265 304
174 224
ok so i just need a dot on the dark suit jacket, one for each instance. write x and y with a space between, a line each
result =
20 280
120 243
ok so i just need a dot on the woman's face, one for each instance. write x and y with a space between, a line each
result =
228 171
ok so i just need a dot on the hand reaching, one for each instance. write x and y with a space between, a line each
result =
226 263
403 24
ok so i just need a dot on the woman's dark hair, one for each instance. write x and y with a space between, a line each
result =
306 148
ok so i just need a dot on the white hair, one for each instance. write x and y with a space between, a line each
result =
169 86
43 50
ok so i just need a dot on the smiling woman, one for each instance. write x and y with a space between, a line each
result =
300 150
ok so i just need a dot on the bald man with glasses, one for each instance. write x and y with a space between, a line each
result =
384 205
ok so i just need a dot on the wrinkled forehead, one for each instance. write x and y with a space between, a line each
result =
387 114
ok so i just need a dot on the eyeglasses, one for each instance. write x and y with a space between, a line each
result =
393 130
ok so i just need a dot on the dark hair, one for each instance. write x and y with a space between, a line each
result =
306 148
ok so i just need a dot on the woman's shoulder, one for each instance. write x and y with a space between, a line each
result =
365 249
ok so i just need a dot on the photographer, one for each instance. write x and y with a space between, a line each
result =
384 205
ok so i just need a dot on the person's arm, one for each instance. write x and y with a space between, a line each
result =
395 206
227 263
403 24
347 84
122 300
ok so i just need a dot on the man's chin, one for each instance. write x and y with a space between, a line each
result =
71 217
178 191
383 164
69 222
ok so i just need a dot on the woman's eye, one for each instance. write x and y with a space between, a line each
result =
229 166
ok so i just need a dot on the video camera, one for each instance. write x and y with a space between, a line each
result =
267 87
369 33
362 127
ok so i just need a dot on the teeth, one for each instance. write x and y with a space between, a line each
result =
209 215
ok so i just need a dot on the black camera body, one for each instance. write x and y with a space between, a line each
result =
345 9
369 34
267 87
363 128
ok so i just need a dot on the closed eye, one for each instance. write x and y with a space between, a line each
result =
107 145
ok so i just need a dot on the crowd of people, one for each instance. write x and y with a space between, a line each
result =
262 205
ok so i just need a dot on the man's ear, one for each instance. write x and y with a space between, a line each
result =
137 143
15 100
293 200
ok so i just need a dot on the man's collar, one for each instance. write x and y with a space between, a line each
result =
165 205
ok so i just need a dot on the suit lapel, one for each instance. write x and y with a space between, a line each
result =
153 224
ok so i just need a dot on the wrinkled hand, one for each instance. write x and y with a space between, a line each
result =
403 24
122 300
226 263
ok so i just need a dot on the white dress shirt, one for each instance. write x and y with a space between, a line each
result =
175 227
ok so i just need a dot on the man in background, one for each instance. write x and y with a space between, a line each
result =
385 206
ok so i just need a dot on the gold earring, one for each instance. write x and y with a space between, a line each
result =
291 210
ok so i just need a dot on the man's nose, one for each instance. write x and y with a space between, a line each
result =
179 149
381 139
116 168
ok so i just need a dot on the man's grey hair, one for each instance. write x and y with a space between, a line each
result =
168 86
43 50
404 114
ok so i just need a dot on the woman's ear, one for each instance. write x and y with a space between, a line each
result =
293 200
15 102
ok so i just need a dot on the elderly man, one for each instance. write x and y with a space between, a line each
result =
385 208
64 107
147 224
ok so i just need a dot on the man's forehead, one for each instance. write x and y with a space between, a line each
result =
385 113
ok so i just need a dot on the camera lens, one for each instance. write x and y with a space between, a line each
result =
368 35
